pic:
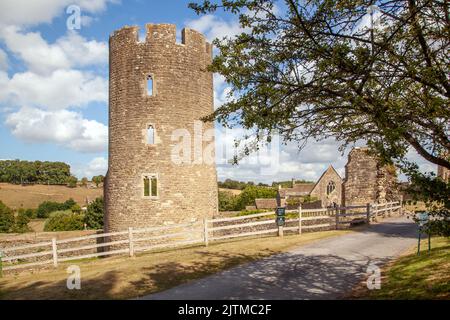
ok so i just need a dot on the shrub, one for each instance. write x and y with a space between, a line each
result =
84 182
58 213
75 208
6 218
98 179
248 196
72 182
31 213
228 201
293 202
64 221
46 207
94 214
21 222
68 204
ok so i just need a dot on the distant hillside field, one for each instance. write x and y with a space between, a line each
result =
233 191
17 196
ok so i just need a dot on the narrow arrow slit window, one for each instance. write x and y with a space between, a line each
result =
150 135
149 85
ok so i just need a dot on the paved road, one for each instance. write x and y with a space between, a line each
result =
325 269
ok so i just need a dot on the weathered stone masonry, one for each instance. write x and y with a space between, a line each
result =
367 181
182 94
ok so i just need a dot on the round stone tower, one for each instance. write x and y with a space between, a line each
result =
160 169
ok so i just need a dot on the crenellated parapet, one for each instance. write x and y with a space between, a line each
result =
161 35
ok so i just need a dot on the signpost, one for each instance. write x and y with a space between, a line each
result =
422 220
281 220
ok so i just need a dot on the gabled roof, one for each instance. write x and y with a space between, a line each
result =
330 168
266 203
299 189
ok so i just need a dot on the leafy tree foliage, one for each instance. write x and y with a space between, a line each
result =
84 182
46 207
30 213
249 194
234 184
17 172
64 221
6 218
312 70
72 182
21 222
228 201
98 180
316 69
94 214
435 193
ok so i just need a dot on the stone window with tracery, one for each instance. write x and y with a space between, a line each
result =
331 187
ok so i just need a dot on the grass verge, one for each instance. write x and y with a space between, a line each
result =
413 277
123 278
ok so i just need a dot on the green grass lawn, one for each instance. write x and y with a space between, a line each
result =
426 276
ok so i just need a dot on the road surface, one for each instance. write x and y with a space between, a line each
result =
325 269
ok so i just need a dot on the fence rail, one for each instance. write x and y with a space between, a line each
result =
195 233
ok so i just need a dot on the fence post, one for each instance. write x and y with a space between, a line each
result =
205 231
300 219
55 253
130 241
368 213
280 231
401 207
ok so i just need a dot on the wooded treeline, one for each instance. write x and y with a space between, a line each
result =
34 172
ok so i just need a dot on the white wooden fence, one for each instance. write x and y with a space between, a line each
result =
132 241
365 213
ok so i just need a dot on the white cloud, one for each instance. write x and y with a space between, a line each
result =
63 127
36 101
59 90
82 52
3 60
281 162
67 52
214 27
97 166
86 21
28 13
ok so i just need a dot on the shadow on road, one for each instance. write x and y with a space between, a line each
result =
284 276
393 228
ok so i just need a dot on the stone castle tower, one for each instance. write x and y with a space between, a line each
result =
367 181
158 87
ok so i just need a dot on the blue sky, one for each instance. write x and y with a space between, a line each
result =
54 85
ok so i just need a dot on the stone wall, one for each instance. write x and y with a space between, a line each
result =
182 94
367 181
320 189
443 173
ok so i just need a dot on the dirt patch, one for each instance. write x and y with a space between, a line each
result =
18 196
